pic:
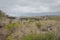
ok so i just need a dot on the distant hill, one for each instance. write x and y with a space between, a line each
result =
36 14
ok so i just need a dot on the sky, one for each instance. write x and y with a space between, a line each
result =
30 7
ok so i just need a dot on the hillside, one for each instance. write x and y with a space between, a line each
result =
29 28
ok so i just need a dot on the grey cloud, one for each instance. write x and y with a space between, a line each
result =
34 6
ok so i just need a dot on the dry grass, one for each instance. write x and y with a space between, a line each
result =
31 28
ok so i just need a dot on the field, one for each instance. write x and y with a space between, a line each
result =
29 28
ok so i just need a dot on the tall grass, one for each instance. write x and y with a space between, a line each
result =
41 36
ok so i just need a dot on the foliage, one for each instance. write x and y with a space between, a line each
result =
54 18
10 37
12 25
38 24
1 14
41 36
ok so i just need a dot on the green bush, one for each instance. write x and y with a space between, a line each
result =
38 24
12 25
1 14
10 37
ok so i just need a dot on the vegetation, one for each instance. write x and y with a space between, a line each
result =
1 14
10 37
40 36
12 25
30 28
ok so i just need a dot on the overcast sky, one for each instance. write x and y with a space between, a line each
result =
16 7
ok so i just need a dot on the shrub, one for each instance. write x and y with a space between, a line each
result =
38 24
1 14
12 25
10 37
